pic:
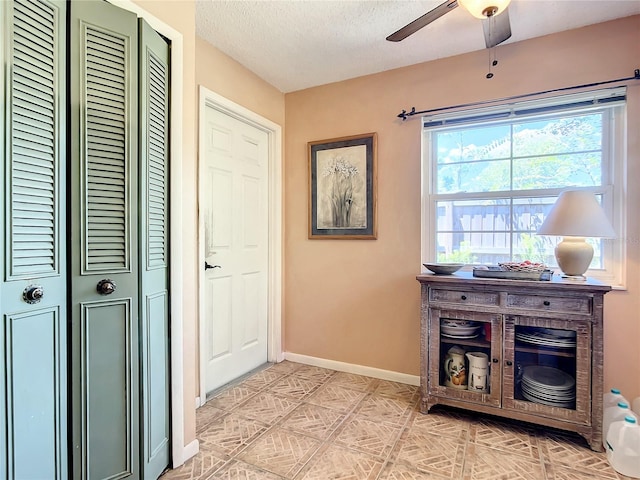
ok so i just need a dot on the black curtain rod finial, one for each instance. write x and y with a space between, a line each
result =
636 73
403 115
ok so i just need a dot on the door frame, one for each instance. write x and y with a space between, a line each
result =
179 451
211 99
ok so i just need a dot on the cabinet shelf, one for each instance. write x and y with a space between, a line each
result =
467 342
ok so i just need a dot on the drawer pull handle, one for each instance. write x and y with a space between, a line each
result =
546 303
509 363
494 360
463 297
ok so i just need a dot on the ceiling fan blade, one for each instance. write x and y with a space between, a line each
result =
497 29
423 21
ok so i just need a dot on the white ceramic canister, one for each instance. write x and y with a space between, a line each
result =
613 414
623 446
478 371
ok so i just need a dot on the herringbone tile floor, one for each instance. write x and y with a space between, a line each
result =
297 422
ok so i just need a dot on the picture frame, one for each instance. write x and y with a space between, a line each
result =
343 188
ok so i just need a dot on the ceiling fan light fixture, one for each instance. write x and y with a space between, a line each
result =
484 8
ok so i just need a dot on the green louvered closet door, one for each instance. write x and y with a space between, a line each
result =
33 396
119 257
104 241
154 250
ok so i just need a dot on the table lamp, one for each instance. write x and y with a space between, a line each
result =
576 215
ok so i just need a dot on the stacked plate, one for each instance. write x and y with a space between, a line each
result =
548 386
452 328
547 337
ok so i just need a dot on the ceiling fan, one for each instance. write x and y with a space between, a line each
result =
494 15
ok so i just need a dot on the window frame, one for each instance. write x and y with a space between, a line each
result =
613 186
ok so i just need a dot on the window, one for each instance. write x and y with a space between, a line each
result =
491 176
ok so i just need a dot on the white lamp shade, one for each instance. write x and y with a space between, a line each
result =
478 8
577 213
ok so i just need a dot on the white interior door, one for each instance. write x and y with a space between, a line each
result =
236 247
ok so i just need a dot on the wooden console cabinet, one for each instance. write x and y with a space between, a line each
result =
526 329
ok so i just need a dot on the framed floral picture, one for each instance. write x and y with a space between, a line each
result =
342 187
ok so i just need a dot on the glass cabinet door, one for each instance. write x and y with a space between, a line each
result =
546 367
465 355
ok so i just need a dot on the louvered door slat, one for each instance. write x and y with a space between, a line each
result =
35 169
32 86
106 81
26 105
35 40
37 72
42 54
40 17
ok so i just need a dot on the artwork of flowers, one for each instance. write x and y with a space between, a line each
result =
342 183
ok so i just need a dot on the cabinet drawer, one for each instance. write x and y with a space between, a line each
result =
551 304
464 297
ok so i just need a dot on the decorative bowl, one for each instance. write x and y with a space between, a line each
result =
443 268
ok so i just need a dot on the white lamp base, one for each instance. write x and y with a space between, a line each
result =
574 256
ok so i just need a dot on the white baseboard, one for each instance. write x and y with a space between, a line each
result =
352 368
191 450
198 404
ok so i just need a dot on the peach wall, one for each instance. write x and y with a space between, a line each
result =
357 301
224 76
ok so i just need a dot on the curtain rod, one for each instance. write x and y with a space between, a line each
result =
404 114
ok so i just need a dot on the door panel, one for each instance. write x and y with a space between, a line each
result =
104 241
154 253
107 368
34 369
236 240
33 397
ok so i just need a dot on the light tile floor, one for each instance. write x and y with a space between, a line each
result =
298 422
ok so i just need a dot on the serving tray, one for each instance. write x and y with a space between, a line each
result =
496 272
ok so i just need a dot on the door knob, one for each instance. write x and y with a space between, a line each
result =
106 287
207 266
33 294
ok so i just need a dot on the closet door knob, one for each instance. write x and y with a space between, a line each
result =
33 294
106 287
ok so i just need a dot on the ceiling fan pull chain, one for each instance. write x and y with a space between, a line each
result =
493 60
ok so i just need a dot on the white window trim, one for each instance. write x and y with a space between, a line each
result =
614 182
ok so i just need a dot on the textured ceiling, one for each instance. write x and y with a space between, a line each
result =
297 44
